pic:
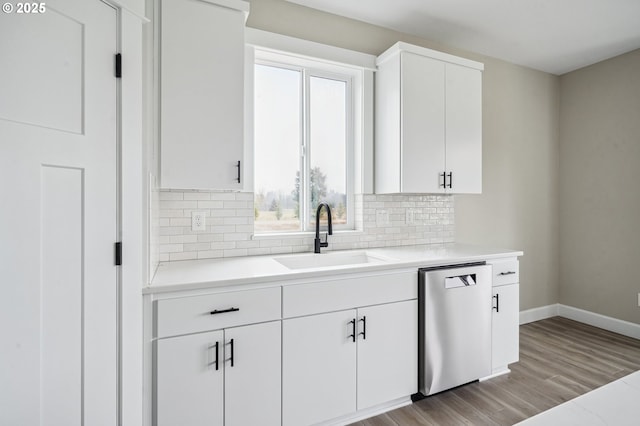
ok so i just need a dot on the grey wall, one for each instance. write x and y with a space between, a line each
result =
519 204
518 207
600 187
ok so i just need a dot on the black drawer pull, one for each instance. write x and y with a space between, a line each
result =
231 358
224 311
497 307
444 180
507 273
450 180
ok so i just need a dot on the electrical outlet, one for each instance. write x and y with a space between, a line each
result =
382 217
198 221
639 299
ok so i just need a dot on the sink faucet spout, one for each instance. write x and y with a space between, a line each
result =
317 242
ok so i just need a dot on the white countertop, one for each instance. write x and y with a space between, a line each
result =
211 273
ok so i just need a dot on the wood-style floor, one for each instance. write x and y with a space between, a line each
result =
560 359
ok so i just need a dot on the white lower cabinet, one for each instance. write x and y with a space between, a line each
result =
388 356
337 363
505 343
255 376
189 388
505 323
203 379
318 368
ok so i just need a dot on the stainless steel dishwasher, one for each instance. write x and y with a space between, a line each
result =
454 326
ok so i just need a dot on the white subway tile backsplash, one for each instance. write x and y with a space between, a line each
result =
230 215
179 221
210 254
171 248
166 196
208 204
258 251
174 205
167 213
248 244
236 236
228 196
197 196
236 220
210 237
235 252
187 255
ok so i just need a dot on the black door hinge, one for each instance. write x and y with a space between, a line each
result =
118 253
118 65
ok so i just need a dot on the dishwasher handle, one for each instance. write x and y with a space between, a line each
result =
458 281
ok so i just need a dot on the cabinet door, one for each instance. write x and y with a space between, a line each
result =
318 368
387 352
464 129
505 326
189 389
252 382
423 118
202 92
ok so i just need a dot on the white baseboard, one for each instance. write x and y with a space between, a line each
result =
615 325
537 314
367 412
497 373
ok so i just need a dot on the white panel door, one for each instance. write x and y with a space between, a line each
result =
202 90
318 368
423 132
505 326
190 380
256 371
58 316
464 129
387 352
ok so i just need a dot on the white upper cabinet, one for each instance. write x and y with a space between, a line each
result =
201 99
428 122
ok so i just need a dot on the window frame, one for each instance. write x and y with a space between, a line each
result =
353 78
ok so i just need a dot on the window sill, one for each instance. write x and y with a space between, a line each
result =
284 235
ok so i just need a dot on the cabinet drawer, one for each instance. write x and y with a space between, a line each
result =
506 272
215 311
345 293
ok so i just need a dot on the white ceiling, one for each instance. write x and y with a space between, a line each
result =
556 36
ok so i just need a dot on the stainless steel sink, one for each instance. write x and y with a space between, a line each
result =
327 260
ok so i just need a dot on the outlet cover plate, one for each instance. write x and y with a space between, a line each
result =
198 221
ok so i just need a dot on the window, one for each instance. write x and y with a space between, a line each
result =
303 143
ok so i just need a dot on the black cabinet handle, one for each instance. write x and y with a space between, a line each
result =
353 330
507 273
231 345
364 328
238 166
217 354
497 307
224 311
450 180
444 180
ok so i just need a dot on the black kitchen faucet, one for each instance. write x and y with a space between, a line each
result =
317 242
